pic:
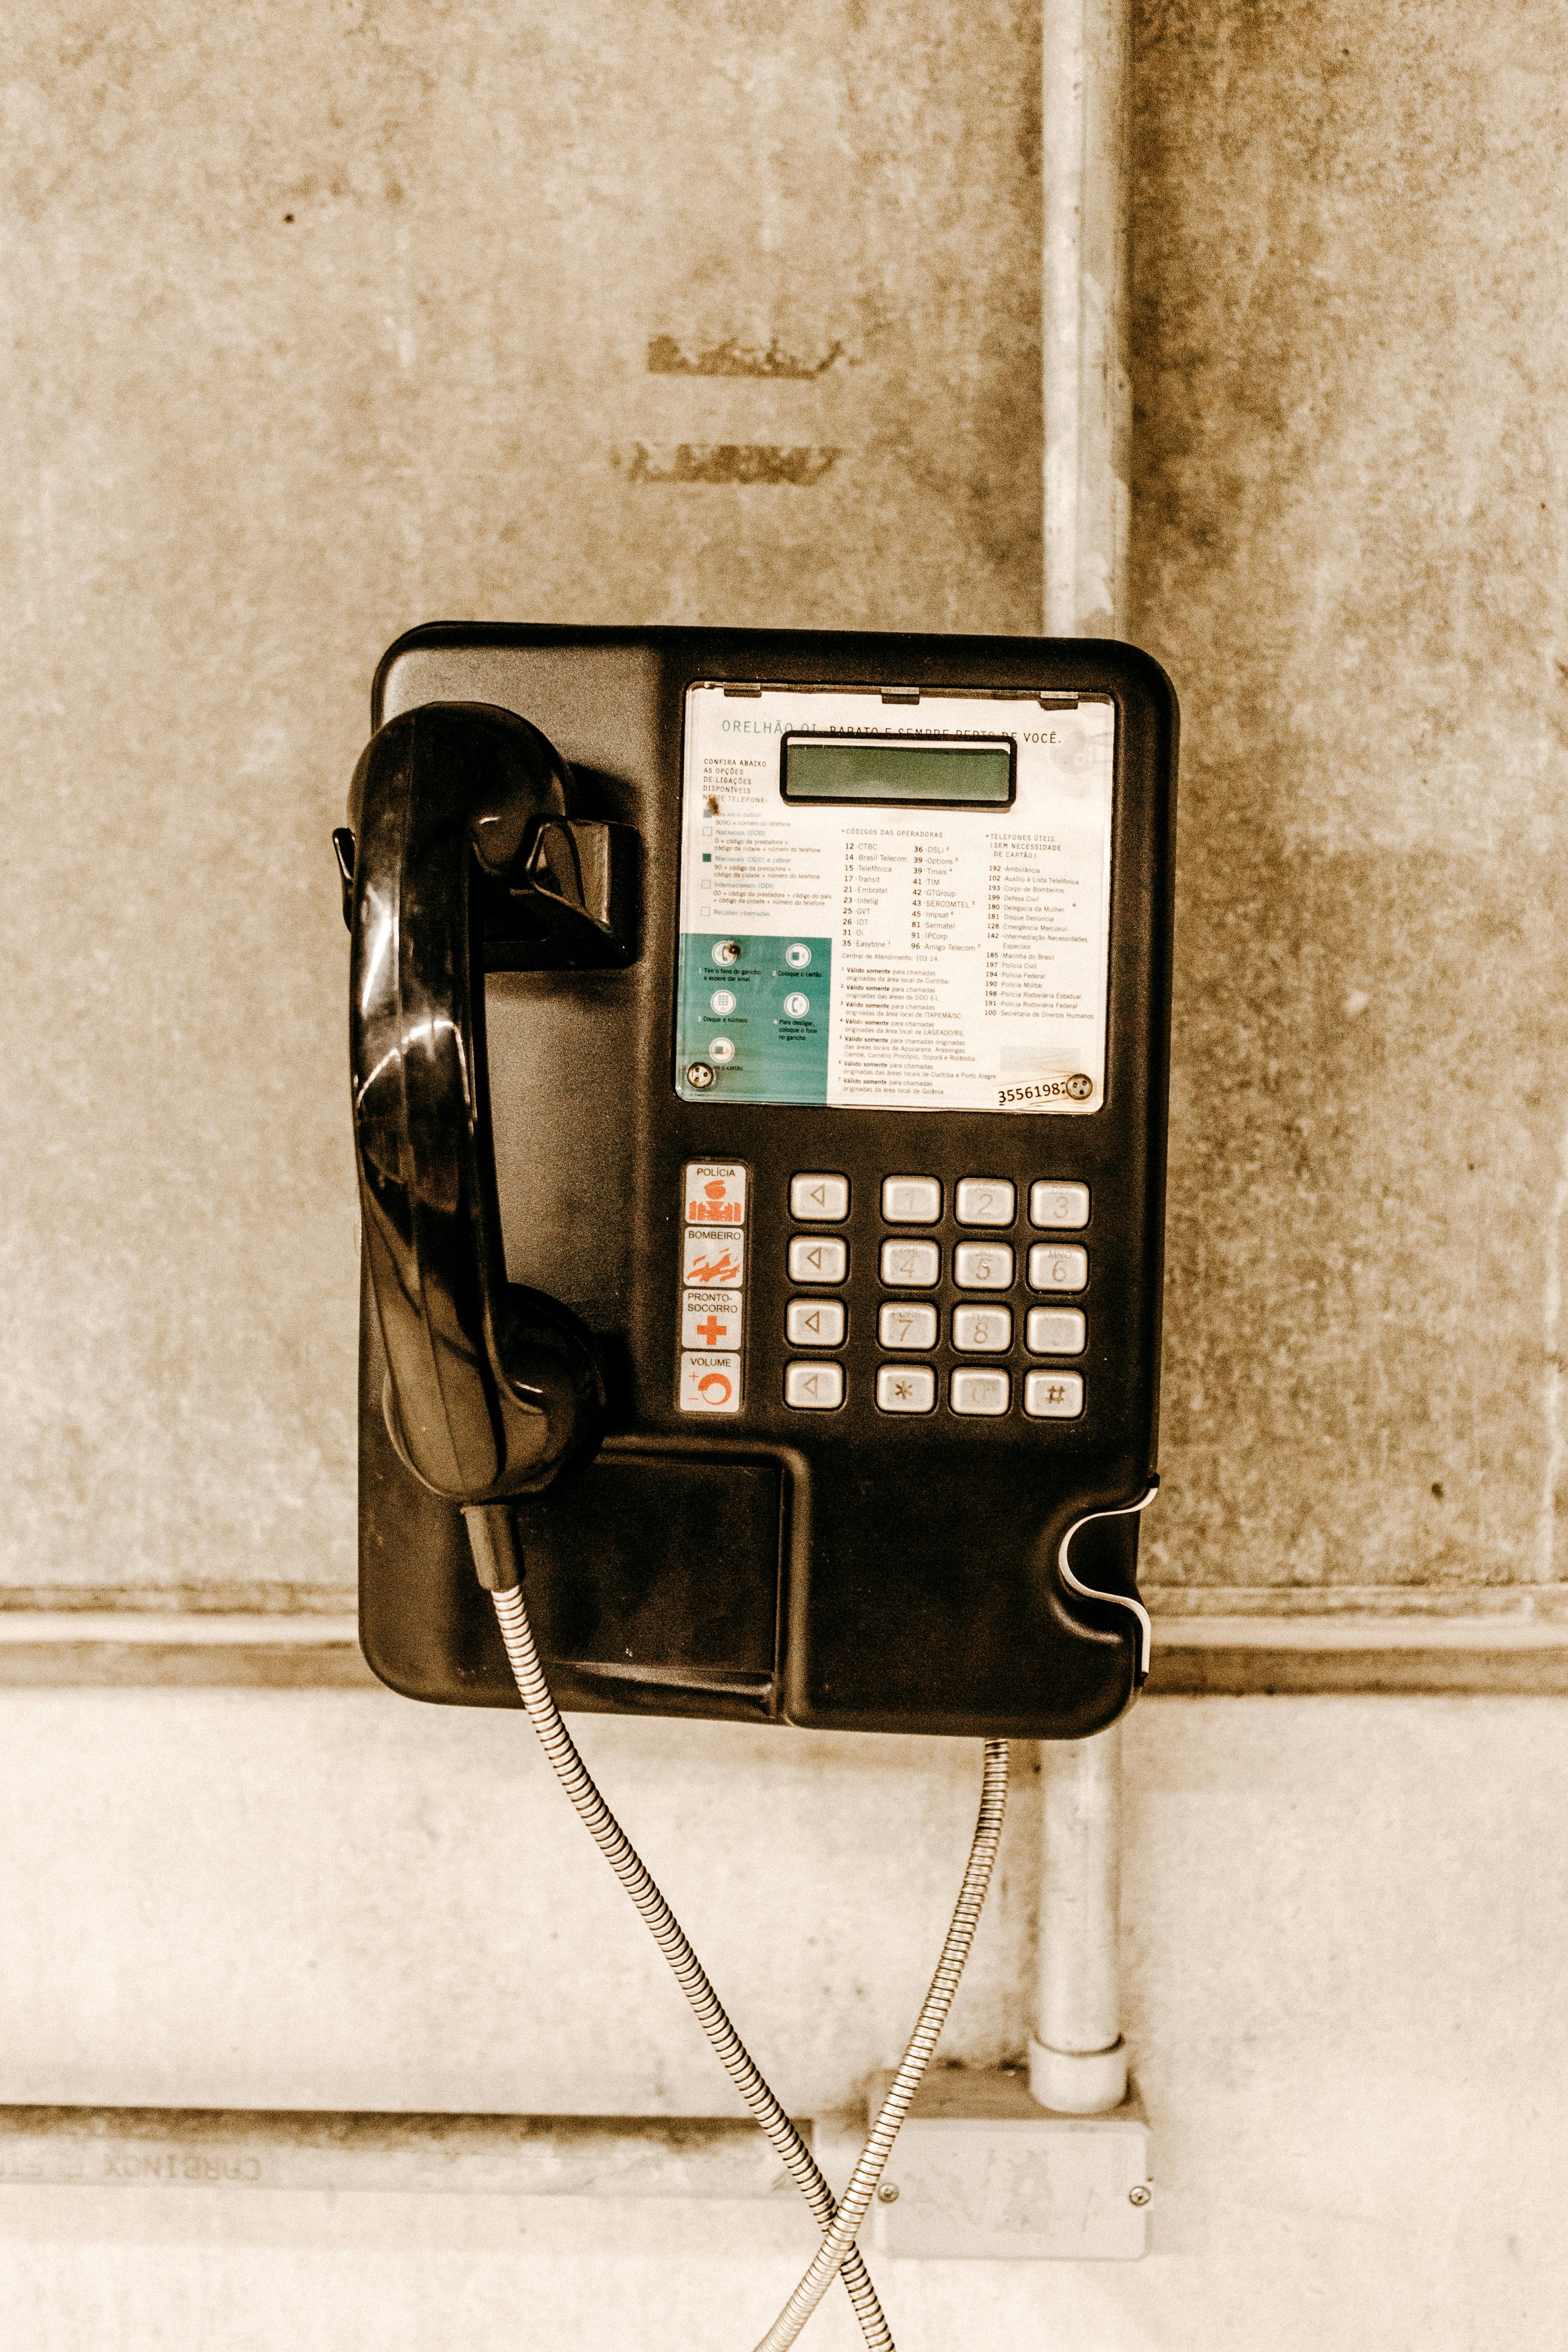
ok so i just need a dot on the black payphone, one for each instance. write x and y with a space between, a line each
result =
758 1046
759 1063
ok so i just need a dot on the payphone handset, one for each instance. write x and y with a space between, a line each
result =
759 1046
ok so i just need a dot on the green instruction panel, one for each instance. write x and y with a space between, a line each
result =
755 1015
895 901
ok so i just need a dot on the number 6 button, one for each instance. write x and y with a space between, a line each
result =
1057 1266
985 1266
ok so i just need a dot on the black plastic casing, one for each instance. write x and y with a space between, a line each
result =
845 1569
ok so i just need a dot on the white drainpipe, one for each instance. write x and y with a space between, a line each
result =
1077 2061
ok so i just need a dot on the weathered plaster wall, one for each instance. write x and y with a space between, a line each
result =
1344 1927
326 321
1350 549
245 449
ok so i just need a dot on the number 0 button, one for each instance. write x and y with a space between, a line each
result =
978 1393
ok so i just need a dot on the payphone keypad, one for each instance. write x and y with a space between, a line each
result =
907 1327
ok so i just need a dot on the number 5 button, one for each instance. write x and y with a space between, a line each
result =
983 1266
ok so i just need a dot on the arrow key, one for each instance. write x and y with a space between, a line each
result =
819 1200
813 1322
815 1257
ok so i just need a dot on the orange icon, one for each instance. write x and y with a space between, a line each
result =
714 1272
714 1388
715 1208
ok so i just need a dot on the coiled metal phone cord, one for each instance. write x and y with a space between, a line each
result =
495 1559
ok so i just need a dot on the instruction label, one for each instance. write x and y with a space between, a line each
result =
894 957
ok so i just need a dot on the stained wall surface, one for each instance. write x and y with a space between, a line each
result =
1350 550
326 319
1345 1921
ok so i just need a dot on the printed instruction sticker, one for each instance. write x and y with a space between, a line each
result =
870 954
712 1258
710 1384
710 1319
715 1194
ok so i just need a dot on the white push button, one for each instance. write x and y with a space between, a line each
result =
715 1192
1059 1208
817 1258
979 1393
983 1331
983 1266
906 1387
814 1388
911 1200
711 1258
1054 1332
1057 1266
710 1318
912 1265
710 1384
819 1200
1053 1396
813 1322
985 1201
911 1326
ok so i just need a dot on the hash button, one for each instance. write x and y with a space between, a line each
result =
1053 1396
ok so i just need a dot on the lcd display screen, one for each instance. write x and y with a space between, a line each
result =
898 773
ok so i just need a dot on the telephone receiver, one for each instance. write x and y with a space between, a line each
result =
463 846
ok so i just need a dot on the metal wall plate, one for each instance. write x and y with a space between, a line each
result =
980 2172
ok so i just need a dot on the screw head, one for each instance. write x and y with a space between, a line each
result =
1138 2196
887 2193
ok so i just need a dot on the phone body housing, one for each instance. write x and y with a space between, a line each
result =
849 1569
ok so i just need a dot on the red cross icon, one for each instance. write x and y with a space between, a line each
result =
711 1332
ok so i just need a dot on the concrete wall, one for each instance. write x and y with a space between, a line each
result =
1344 1927
329 319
